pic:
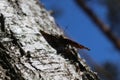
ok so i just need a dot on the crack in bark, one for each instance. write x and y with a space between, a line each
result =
15 4
16 42
2 22
10 69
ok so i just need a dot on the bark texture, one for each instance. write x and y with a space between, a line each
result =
26 54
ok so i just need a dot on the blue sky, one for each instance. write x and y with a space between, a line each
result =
83 30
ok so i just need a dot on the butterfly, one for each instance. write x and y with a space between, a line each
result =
62 39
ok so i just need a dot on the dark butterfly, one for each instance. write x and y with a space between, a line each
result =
62 39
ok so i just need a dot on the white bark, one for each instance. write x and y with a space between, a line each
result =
24 52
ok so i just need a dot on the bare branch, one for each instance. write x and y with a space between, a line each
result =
103 27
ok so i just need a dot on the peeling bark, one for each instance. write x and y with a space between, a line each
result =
25 54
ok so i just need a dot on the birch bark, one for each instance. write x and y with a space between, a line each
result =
25 54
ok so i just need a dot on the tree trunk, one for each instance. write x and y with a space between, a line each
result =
31 46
